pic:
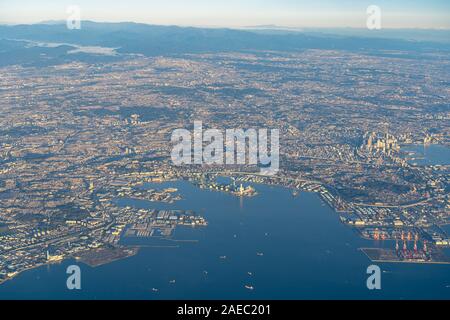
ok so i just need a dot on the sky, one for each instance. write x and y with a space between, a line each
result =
236 13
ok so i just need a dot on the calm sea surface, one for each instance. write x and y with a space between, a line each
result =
433 154
307 253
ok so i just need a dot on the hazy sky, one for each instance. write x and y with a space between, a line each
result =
237 13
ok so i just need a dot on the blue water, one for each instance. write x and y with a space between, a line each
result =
308 254
426 155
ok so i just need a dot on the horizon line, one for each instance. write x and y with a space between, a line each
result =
262 26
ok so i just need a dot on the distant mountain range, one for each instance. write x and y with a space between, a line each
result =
152 40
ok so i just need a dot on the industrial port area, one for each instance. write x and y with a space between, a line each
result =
162 223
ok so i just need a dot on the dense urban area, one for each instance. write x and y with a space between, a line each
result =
77 136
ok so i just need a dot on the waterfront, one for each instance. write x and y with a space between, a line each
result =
306 253
425 155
